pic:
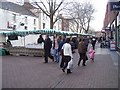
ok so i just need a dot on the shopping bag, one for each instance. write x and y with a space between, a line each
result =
70 64
52 52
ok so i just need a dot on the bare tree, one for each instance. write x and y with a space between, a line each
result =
49 7
82 15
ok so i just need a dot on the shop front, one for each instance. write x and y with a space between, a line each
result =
118 33
115 6
112 20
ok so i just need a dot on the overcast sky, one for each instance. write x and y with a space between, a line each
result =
100 7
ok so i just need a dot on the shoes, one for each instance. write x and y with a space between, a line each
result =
53 59
83 64
68 71
63 70
45 62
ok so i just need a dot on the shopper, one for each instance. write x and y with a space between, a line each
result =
67 55
82 52
47 48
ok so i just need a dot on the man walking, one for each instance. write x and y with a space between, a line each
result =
47 48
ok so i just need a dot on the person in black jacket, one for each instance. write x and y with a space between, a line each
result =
47 48
60 50
40 39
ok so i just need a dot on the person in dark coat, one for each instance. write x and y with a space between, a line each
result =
93 42
82 52
9 43
40 39
47 48
86 42
60 48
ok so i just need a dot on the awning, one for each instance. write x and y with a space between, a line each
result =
23 33
44 31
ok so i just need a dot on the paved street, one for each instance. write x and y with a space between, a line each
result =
31 72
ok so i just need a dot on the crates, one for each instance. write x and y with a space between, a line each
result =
22 51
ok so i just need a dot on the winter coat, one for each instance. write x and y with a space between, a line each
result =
82 47
91 53
47 44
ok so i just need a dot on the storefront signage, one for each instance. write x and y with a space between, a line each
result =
115 6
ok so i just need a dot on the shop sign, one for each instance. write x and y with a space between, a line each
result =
115 6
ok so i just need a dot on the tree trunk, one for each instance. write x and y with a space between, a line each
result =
51 22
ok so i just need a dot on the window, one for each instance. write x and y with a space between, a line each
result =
14 27
25 27
54 27
34 21
14 18
34 28
26 20
43 25
43 16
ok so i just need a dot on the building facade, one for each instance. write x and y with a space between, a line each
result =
112 22
16 17
26 17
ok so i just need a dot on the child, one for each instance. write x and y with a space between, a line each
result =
92 54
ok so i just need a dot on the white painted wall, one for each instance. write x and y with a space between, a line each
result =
6 16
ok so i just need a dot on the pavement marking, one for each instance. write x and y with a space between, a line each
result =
57 82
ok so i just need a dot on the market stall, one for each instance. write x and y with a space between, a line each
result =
33 49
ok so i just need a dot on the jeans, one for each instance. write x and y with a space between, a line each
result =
56 55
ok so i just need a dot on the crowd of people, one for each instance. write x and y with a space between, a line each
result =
61 49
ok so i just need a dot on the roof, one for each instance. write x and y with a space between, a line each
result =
16 8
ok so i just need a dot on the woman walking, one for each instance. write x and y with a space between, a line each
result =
82 52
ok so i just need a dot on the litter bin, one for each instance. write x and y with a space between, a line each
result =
2 52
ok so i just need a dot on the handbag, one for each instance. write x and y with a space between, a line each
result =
52 52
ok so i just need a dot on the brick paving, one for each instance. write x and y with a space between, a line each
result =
31 72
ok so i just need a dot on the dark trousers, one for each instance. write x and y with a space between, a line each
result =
93 45
62 62
66 59
83 57
47 54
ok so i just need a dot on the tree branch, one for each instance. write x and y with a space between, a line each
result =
58 6
44 6
42 9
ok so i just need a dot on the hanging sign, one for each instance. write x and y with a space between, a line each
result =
115 6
